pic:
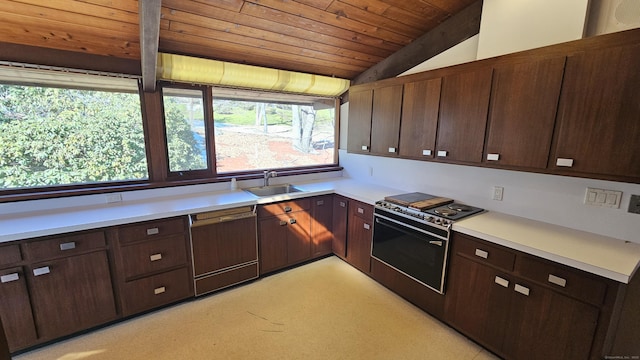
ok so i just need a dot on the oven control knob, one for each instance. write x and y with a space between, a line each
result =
430 219
437 221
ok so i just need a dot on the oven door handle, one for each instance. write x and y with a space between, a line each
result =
389 223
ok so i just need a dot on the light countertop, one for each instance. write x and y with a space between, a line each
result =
608 257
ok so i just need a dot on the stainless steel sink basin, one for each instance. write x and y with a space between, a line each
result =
272 190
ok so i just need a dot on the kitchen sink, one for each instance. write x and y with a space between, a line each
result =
271 190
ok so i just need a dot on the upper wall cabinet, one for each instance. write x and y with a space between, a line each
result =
374 120
420 105
360 108
464 104
385 120
524 99
599 114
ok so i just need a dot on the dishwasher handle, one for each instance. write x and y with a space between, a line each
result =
220 216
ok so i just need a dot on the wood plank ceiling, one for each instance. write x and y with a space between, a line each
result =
340 38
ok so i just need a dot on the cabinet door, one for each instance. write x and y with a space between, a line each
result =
385 120
524 99
15 309
322 225
359 126
72 294
420 105
273 243
340 215
464 104
599 113
359 243
546 325
478 301
298 237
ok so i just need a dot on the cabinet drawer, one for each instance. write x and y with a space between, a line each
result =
284 207
227 278
10 255
563 279
151 230
484 253
357 208
154 255
157 290
64 245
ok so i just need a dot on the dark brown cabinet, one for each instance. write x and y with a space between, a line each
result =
69 283
15 306
598 123
385 120
359 126
284 234
321 225
524 99
153 265
419 124
360 235
340 221
464 104
523 308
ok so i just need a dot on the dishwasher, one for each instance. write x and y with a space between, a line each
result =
224 248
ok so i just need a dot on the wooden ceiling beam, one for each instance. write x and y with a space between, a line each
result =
149 11
451 32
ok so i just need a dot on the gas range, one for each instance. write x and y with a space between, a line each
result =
427 209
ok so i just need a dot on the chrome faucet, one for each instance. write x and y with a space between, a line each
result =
269 174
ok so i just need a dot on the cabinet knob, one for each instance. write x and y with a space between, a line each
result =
481 253
68 246
287 209
521 289
502 282
153 231
557 280
493 157
426 152
564 162
9 278
442 153
283 223
159 290
292 221
155 257
41 271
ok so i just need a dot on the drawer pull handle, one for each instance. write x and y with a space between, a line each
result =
481 253
343 204
283 223
521 289
9 278
502 282
292 221
392 150
493 157
360 210
68 246
159 290
153 231
287 209
364 147
426 152
41 271
564 162
367 226
320 202
442 153
557 280
155 257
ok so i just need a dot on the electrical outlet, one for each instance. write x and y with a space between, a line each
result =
112 198
634 204
497 193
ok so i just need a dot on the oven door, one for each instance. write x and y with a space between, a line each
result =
412 251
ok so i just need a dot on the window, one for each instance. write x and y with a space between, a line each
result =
185 130
52 136
272 131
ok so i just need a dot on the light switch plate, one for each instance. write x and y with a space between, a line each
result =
634 204
603 198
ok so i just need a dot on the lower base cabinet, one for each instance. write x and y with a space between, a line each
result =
360 235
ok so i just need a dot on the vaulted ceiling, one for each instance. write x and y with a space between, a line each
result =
341 38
